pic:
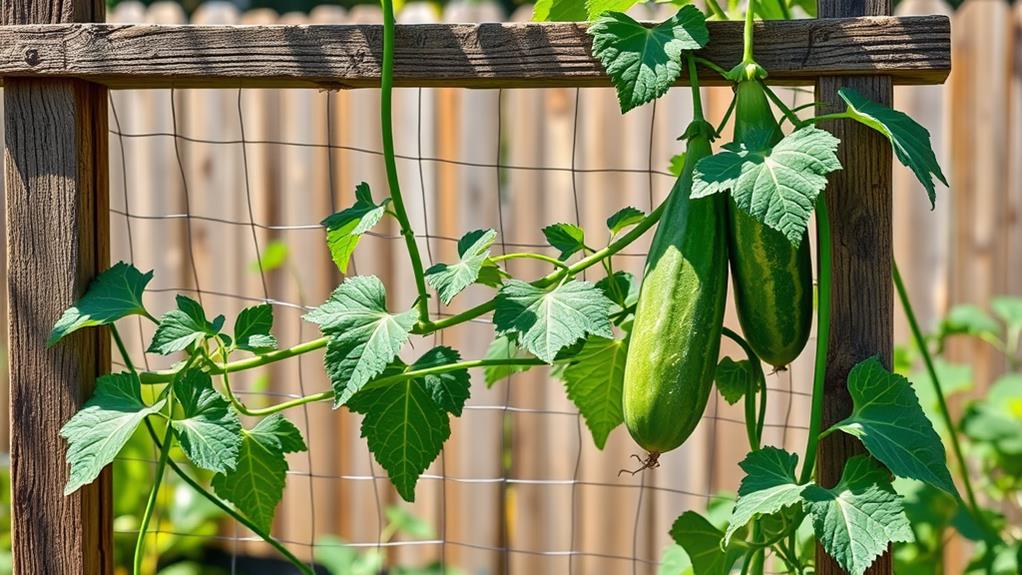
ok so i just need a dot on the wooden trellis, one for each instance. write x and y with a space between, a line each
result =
58 61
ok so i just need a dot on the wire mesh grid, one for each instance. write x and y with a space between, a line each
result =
211 187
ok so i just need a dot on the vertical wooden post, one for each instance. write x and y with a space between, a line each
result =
861 311
57 234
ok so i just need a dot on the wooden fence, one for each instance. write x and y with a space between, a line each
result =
520 471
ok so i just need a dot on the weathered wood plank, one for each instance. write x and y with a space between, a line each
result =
57 240
912 50
862 303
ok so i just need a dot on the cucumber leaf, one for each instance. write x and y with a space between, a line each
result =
887 418
859 517
997 419
115 293
210 431
777 186
344 229
734 378
180 328
449 389
568 238
909 139
252 329
595 8
256 485
545 321
595 382
364 336
704 544
768 487
504 347
96 434
643 63
623 218
450 279
559 11
968 319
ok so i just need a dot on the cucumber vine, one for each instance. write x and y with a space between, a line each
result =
583 328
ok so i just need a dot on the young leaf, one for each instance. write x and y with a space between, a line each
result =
623 218
595 8
910 141
776 186
595 381
274 256
704 544
504 347
252 329
405 430
96 434
568 238
644 62
559 11
210 431
364 336
768 487
182 327
733 379
449 389
449 279
547 321
887 418
345 228
857 519
256 485
115 293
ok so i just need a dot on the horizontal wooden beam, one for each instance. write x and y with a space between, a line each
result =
912 50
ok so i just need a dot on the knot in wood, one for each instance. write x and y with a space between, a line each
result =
32 57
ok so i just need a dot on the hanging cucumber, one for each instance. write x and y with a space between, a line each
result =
772 279
676 335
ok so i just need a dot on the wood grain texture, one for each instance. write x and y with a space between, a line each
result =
862 304
912 50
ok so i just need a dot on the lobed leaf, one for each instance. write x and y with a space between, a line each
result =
209 432
113 294
252 329
450 279
734 379
704 544
99 430
887 418
182 327
344 229
643 63
768 487
567 238
545 321
595 381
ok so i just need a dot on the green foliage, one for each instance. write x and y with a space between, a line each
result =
183 327
115 293
504 347
778 186
450 279
704 544
734 379
256 484
595 380
449 389
768 487
345 228
209 430
859 517
99 430
364 336
252 329
624 218
644 62
569 239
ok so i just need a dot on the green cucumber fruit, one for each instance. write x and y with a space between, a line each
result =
773 282
675 339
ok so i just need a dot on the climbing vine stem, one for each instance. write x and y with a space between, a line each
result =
823 256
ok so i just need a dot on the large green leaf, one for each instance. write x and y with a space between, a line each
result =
857 519
910 141
595 8
778 186
504 347
209 432
405 429
887 418
345 228
449 279
256 485
734 379
768 487
704 544
364 336
114 294
643 63
595 381
252 329
182 327
449 389
547 320
96 434
559 11
567 238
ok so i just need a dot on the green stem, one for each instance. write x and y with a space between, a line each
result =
945 411
823 255
711 65
752 426
241 365
727 115
715 9
828 117
697 96
526 255
151 503
390 161
784 108
747 39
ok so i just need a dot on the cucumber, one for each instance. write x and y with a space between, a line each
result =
773 282
675 339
